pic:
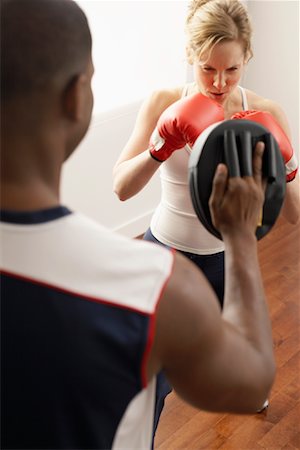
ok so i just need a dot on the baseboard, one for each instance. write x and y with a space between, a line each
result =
136 227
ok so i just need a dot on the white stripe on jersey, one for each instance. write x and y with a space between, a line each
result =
76 254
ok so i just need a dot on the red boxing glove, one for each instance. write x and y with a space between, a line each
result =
267 120
181 123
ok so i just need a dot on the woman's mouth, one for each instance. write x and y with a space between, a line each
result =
217 94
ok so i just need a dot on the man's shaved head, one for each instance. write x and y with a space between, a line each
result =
27 66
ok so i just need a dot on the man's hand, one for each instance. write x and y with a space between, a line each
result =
236 202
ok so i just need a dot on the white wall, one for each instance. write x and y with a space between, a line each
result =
87 176
138 46
273 73
274 70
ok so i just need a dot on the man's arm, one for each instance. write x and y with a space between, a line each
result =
220 362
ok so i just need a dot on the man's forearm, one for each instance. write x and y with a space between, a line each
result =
245 304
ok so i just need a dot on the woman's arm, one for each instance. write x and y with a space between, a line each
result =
291 205
135 167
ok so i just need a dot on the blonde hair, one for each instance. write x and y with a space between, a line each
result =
212 21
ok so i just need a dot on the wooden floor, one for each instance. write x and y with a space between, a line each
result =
183 427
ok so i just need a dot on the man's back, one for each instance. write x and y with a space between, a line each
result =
83 330
90 298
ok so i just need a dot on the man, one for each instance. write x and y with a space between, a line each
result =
89 318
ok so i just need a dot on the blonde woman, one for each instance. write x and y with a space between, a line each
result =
219 48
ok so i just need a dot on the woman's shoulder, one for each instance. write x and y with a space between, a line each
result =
260 103
154 105
163 98
159 100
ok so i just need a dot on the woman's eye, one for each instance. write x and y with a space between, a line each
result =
232 69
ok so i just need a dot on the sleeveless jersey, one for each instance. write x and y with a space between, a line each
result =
174 222
78 308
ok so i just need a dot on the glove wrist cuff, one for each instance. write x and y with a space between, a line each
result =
154 157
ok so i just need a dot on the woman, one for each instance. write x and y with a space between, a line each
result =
218 47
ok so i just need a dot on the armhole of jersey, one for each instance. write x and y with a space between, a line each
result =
244 99
185 90
151 327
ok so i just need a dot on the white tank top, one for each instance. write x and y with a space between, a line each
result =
175 222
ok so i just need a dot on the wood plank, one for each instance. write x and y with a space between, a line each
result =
278 428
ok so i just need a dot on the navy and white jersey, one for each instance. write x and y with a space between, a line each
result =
78 307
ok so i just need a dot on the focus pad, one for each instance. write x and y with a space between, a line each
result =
232 142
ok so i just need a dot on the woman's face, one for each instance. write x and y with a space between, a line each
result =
219 71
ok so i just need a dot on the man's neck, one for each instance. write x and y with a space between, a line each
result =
27 198
30 171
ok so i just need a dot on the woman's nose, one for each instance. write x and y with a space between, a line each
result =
219 80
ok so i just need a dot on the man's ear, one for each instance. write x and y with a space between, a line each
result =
73 98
